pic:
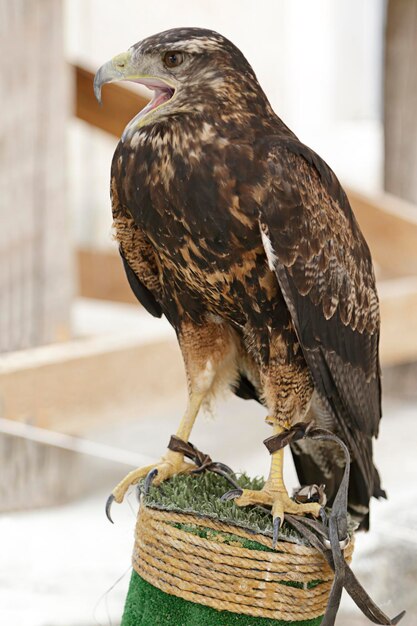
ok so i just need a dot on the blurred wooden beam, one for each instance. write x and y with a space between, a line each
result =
81 384
390 228
101 276
120 104
398 300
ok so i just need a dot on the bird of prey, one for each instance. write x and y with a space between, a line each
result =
244 239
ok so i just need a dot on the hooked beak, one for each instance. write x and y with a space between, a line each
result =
118 68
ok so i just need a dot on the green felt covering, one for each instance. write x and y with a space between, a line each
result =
148 606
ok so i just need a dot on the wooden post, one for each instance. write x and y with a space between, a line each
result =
400 111
35 259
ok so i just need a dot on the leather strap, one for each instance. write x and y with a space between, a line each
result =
296 432
326 536
202 461
344 577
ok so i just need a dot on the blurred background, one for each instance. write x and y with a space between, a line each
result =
90 385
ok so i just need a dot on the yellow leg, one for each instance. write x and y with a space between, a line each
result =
172 463
187 422
275 494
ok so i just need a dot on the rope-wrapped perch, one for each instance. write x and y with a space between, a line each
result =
230 577
234 571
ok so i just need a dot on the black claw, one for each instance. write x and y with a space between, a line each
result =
109 502
231 495
276 527
149 480
323 516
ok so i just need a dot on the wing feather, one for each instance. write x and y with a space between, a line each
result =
324 269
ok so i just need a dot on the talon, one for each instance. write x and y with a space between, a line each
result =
231 495
170 465
323 516
109 502
149 480
278 500
276 527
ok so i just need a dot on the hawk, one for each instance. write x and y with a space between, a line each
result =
244 239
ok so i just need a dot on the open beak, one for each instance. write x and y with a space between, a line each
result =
120 68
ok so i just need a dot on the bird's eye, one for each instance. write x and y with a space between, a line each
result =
173 59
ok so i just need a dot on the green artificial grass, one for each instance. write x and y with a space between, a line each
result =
148 606
200 494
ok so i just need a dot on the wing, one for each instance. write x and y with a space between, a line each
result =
138 257
324 268
144 296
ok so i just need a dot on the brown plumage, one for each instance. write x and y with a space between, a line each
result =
244 239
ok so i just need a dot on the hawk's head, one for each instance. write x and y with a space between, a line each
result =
189 70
